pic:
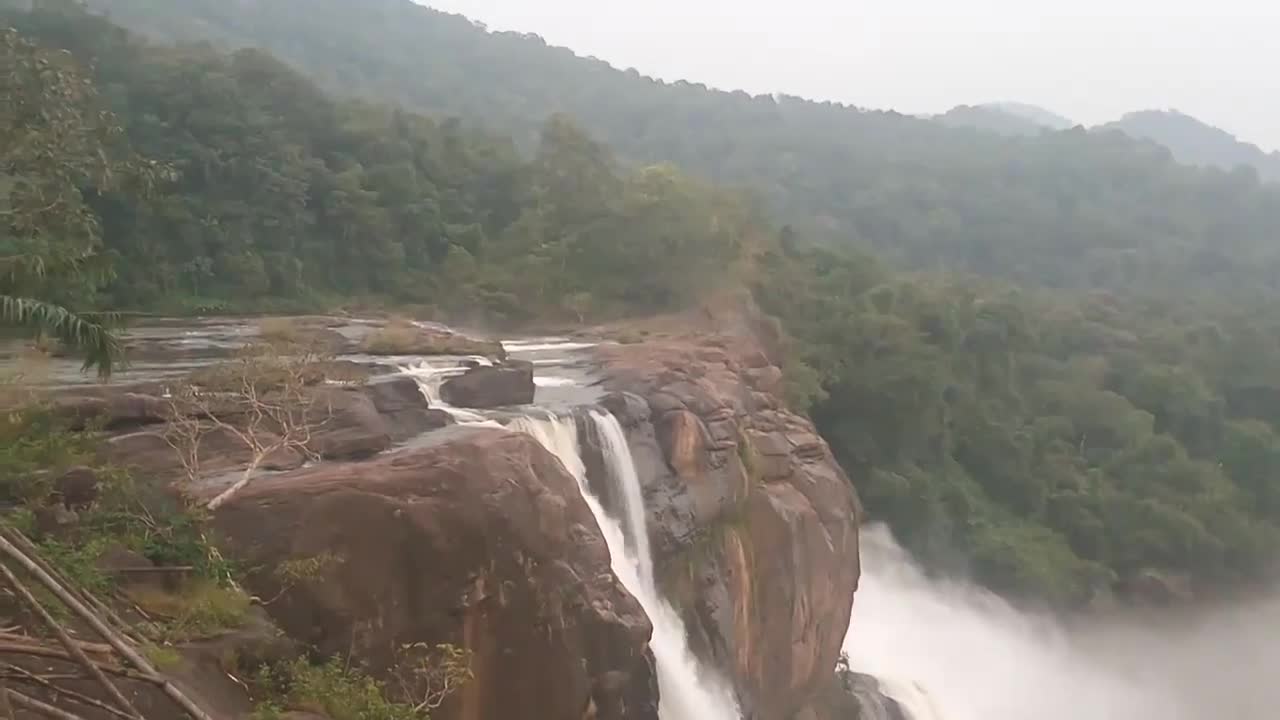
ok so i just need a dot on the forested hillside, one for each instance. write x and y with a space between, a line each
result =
1108 407
1051 444
1071 209
281 196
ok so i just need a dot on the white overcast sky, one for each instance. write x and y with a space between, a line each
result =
1091 60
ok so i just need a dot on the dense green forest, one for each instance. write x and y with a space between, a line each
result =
1072 209
1099 397
278 195
1051 444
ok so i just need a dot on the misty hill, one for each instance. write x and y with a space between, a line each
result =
1197 143
990 119
1069 209
1005 118
1034 113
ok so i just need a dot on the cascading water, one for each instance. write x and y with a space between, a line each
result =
430 378
688 692
946 650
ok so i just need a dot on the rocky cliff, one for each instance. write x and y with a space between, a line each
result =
482 541
753 522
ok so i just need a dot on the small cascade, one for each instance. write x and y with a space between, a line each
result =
430 378
688 692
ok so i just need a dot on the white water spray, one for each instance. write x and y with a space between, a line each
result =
946 650
688 692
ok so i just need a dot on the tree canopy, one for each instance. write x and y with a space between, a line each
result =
1070 209
58 150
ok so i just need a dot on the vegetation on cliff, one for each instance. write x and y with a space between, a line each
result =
1059 407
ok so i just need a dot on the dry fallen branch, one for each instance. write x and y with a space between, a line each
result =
40 708
116 641
23 543
263 400
73 649
44 651
45 681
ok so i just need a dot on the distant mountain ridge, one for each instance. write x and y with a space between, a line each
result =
1194 142
1191 141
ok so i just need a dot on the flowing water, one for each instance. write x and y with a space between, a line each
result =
430 378
946 650
688 692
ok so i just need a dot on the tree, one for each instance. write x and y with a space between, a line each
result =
56 147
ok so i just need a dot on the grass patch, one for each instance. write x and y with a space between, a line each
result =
162 656
200 609
281 330
426 674
398 337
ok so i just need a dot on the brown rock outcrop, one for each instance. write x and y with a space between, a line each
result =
491 387
754 524
482 541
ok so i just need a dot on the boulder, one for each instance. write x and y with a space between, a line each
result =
401 403
491 387
346 425
78 487
482 541
110 411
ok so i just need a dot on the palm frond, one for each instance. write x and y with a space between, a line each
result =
91 336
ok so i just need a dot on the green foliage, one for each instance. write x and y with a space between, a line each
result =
35 446
280 194
58 150
1049 456
164 658
198 609
338 691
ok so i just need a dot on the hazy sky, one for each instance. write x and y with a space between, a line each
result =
1091 60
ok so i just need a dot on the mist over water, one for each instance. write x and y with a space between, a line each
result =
947 650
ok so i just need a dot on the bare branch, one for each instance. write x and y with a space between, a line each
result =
23 675
73 649
263 399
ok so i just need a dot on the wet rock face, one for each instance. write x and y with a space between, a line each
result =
853 696
491 387
753 523
482 541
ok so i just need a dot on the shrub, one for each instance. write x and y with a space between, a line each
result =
338 691
199 609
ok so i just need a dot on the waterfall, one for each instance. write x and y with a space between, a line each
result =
688 691
947 650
